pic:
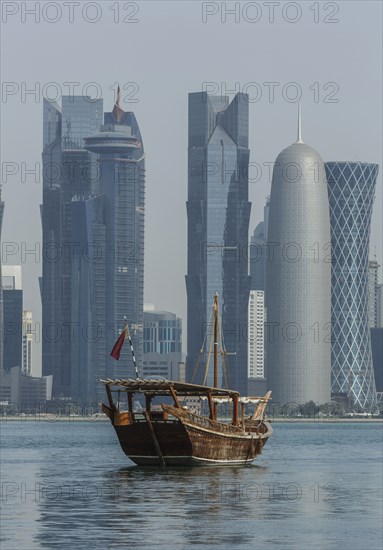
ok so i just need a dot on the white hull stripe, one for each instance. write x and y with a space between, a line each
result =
183 457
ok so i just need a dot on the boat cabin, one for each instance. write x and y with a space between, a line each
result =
178 392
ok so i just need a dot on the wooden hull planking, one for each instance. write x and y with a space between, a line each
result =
184 444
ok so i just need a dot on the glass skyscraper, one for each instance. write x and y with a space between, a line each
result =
69 171
162 344
258 251
218 213
50 282
1 291
351 188
93 242
116 225
88 266
13 316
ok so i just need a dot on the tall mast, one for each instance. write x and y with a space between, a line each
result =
131 346
216 340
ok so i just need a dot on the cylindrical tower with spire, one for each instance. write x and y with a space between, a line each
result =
299 278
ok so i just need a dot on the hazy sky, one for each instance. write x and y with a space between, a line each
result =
331 55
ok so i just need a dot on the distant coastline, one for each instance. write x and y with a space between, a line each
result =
52 418
333 420
102 418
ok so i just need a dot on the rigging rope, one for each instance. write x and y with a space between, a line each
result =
201 352
208 359
223 353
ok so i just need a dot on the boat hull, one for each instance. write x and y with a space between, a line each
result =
181 444
137 443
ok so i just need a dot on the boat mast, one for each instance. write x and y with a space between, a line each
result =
215 408
126 328
216 340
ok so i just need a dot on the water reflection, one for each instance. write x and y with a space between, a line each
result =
196 502
90 496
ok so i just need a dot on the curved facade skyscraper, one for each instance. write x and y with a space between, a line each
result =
351 188
299 279
218 211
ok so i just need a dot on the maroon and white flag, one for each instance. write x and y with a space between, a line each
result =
116 351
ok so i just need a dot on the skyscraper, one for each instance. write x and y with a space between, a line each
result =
162 344
118 219
50 211
257 258
298 278
13 312
256 343
377 360
351 187
373 293
27 343
257 350
68 171
379 305
81 116
218 213
1 291
258 252
88 297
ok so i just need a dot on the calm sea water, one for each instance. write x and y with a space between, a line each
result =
68 485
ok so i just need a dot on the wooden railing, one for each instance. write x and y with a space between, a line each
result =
204 422
171 415
213 424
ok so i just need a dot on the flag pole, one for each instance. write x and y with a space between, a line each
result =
131 346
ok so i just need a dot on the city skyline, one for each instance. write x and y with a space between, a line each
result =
71 143
158 96
152 176
68 128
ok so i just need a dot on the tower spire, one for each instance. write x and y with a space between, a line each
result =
118 112
118 95
299 137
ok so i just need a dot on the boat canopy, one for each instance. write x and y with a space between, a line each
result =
253 400
166 387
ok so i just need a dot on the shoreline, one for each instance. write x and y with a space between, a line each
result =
334 420
74 419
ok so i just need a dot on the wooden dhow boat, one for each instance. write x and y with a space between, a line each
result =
173 434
